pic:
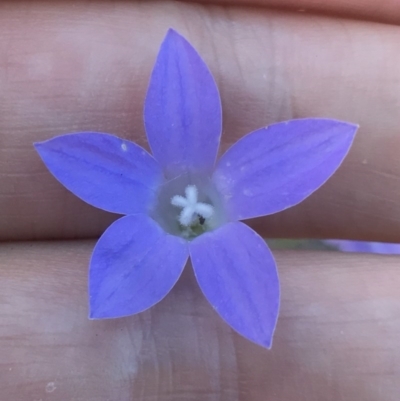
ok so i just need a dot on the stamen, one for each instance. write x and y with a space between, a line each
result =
191 194
179 201
186 216
205 210
192 211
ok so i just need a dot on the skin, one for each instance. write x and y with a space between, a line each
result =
68 67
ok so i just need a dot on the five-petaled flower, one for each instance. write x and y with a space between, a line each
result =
179 201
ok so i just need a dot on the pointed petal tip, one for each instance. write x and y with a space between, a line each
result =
262 342
93 315
173 32
173 36
96 313
345 124
353 125
355 128
266 344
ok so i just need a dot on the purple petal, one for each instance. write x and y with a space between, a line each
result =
237 273
276 167
182 111
103 170
364 246
134 265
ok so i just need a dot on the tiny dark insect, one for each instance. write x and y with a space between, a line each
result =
202 220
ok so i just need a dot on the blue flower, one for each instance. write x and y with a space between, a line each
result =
179 202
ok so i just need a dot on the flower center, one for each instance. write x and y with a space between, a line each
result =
193 212
189 206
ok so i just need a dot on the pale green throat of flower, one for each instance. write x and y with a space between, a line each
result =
195 216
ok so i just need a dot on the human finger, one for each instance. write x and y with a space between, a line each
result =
388 10
286 66
337 334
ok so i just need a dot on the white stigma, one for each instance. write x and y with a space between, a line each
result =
191 208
